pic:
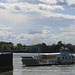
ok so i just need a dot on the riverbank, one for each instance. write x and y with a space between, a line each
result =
24 51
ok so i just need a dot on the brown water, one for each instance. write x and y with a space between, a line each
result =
40 70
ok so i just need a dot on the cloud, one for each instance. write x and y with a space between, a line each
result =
66 37
72 6
30 1
62 2
33 22
5 27
6 35
24 7
48 7
38 8
49 14
49 1
70 2
10 18
17 8
2 6
66 3
11 1
35 38
70 28
34 31
6 32
45 10
46 37
53 22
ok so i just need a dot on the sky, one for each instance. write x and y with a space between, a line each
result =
32 22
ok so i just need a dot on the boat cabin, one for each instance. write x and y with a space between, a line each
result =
65 57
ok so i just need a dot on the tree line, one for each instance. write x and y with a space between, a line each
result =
42 48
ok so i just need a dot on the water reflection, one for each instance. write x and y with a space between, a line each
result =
7 73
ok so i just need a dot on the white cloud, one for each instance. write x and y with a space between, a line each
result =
66 3
39 8
12 19
5 27
26 7
6 32
34 31
49 14
35 38
71 2
46 37
49 1
17 18
68 28
48 7
6 35
12 0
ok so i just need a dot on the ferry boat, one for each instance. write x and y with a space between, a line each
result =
64 57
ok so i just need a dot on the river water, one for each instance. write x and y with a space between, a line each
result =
19 69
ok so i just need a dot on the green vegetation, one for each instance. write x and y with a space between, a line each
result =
42 48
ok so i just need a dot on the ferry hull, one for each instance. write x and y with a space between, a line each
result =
35 63
30 62
65 63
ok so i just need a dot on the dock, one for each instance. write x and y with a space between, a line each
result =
6 61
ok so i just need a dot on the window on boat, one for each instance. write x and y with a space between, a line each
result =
65 57
62 57
44 61
58 57
44 56
72 56
69 57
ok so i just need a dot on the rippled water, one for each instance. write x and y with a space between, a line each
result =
19 69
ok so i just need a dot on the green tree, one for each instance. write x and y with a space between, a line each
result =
60 44
44 47
19 46
70 47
